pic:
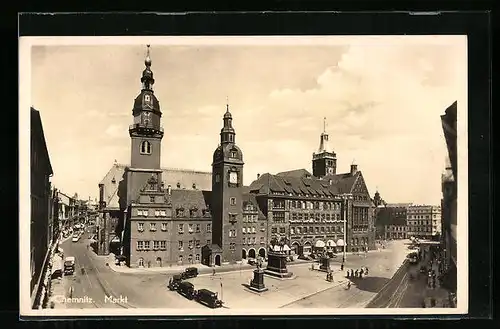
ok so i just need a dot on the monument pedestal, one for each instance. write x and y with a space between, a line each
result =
276 265
257 284
324 264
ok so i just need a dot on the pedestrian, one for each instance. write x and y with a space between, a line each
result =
348 274
356 273
213 272
366 270
361 272
348 285
342 266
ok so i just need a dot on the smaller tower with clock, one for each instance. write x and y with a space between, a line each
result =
227 193
324 161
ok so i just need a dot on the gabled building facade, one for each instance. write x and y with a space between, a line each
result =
172 216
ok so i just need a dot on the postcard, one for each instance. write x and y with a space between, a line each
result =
275 175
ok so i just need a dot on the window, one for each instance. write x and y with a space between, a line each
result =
157 213
253 229
197 227
232 218
322 229
232 246
180 258
194 186
197 244
232 233
262 240
274 230
140 227
292 230
146 245
163 226
156 245
163 245
152 198
192 213
152 226
181 245
232 201
191 244
311 229
145 147
163 213
140 245
233 153
197 257
139 212
190 228
178 185
209 228
181 228
217 178
244 229
244 240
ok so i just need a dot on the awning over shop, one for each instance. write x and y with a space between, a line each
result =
319 244
340 243
331 243
279 248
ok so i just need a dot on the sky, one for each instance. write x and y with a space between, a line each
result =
382 99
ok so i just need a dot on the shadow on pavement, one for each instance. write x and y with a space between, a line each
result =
370 283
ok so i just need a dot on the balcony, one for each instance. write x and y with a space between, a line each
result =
142 127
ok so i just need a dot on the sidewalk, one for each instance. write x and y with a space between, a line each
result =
57 288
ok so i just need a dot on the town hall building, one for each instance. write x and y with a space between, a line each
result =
167 216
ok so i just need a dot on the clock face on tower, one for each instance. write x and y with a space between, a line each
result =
233 177
147 101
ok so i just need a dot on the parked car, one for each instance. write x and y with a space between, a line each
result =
190 272
69 265
208 298
76 238
251 261
423 269
186 289
174 282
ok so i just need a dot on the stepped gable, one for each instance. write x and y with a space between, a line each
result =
191 200
249 198
184 178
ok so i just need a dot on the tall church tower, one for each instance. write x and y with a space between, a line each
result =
324 161
227 193
145 134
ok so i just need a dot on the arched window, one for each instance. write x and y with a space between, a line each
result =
146 147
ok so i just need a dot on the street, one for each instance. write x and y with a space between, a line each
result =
99 281
308 289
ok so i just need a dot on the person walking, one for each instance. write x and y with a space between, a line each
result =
342 266
361 272
356 273
213 272
348 285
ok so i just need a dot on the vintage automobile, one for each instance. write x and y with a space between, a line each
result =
186 289
190 272
173 284
251 261
69 265
208 298
423 269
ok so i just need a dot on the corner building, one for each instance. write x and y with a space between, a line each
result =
225 221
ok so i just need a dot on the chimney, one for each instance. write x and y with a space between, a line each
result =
354 169
258 175
169 190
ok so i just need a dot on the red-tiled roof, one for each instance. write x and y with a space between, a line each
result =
298 173
191 199
266 183
187 179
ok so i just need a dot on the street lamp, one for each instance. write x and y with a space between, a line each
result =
345 197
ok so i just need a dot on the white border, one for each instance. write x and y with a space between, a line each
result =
25 44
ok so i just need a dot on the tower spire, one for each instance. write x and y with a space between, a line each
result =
324 125
227 104
147 75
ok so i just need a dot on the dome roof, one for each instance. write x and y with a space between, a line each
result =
228 115
139 103
227 151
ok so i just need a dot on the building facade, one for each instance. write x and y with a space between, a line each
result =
41 227
391 221
449 199
424 221
169 216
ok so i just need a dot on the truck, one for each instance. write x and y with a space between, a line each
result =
69 265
